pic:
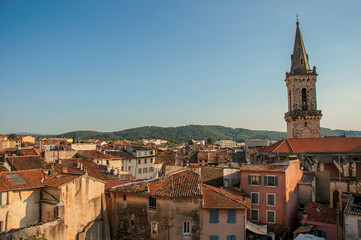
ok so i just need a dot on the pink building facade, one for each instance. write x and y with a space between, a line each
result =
274 193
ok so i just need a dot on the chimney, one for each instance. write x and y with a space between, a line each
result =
305 215
86 171
59 162
65 170
81 166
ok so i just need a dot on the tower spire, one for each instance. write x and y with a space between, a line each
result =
299 58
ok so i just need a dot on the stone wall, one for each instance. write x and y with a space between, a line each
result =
52 230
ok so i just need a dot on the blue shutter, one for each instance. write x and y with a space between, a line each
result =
231 216
249 179
213 216
213 237
265 181
276 181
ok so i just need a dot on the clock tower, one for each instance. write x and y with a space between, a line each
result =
302 118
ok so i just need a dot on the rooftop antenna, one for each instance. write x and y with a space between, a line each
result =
297 18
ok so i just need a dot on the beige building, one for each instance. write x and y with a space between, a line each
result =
76 201
27 139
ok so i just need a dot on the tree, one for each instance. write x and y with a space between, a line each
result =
210 141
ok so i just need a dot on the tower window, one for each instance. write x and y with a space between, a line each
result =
301 61
304 99
305 124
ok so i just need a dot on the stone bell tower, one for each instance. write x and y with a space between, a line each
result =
303 118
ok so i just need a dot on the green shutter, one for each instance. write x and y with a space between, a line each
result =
276 181
249 179
265 180
260 180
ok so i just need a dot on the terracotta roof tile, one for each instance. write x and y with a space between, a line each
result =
59 179
27 162
263 168
218 198
25 179
299 145
319 213
93 154
27 151
184 183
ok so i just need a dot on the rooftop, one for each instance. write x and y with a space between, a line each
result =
316 145
17 180
319 213
263 168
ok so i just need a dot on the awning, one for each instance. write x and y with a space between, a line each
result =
259 229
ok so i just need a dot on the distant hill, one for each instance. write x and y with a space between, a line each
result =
183 133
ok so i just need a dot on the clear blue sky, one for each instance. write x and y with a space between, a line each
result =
113 65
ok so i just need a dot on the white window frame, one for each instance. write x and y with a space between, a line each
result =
274 216
258 198
257 215
274 198
186 226
258 180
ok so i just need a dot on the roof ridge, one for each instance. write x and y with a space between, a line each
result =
289 144
279 144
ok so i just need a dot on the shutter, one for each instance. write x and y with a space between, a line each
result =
213 216
249 179
260 180
276 181
231 216
265 180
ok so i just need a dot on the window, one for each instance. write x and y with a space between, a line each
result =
152 203
151 160
271 199
1 226
1 199
145 170
270 181
186 229
213 237
151 169
304 99
129 168
254 214
255 198
213 216
145 160
124 197
139 170
139 153
254 180
359 228
139 162
271 216
231 216
154 228
231 237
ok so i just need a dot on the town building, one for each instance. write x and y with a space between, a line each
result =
274 193
352 217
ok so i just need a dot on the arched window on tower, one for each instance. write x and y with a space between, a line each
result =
304 99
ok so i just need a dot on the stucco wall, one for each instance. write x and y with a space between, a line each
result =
351 226
132 217
52 156
22 209
222 229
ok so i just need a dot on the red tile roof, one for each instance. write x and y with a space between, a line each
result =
93 154
27 151
263 168
217 198
17 180
299 145
59 179
73 167
319 213
113 183
184 183
27 162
